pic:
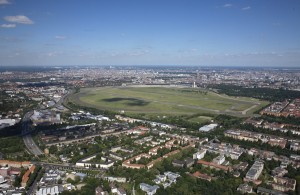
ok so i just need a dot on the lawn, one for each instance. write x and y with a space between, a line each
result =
164 100
201 119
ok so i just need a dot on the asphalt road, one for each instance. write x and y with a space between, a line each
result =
32 189
28 141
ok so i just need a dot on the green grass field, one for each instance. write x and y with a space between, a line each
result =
200 119
164 100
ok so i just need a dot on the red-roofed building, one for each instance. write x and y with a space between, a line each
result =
18 164
214 165
25 177
14 171
199 175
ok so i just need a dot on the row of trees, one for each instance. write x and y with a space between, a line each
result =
11 131
259 145
36 175
283 120
11 145
268 94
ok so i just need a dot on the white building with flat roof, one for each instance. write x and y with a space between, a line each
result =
53 190
199 155
208 128
255 171
7 122
150 190
2 179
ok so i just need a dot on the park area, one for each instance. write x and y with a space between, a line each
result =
165 100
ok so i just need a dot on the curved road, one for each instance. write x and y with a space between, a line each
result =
28 141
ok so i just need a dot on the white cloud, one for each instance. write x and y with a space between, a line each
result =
4 2
8 25
60 37
227 5
246 8
19 19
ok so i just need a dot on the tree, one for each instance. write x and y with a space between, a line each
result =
53 149
17 182
71 181
298 184
77 179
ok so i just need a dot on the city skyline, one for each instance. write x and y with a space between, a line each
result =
220 33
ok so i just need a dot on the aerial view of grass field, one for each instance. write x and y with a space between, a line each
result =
167 100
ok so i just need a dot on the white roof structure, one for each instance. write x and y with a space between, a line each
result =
49 190
209 127
150 190
7 122
2 179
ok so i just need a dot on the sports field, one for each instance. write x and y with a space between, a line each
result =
164 100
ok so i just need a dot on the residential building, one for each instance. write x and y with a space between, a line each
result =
2 180
105 162
244 188
214 165
255 171
15 171
113 188
162 178
199 155
121 191
295 157
242 166
203 176
99 191
25 177
232 151
189 162
50 190
284 184
295 146
255 137
278 171
116 179
150 190
24 164
4 171
219 159
179 163
171 176
261 190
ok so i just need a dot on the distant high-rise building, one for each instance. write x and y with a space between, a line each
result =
194 85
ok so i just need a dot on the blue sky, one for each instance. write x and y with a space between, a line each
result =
150 32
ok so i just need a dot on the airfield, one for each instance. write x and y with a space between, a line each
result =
165 100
